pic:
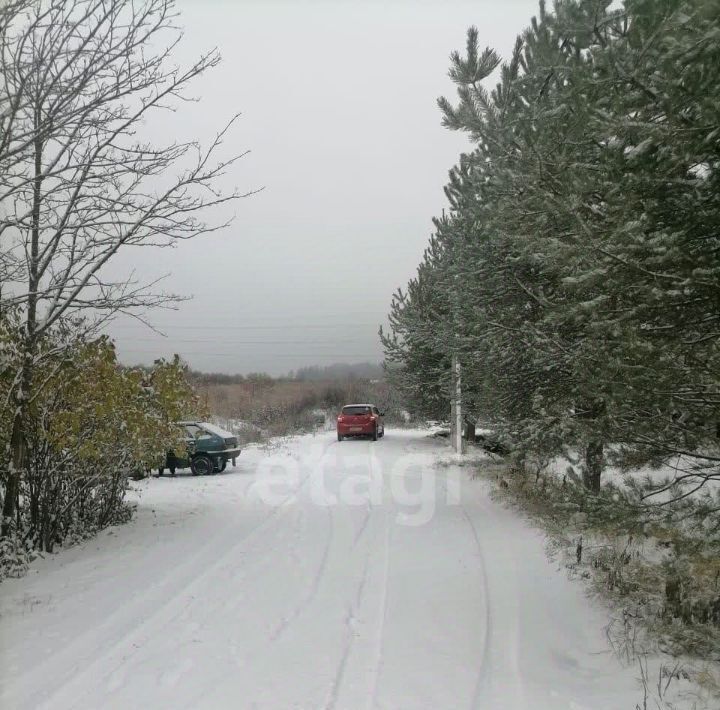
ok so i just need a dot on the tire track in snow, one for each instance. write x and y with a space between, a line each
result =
483 675
509 632
350 620
363 526
379 646
285 623
340 672
369 508
353 608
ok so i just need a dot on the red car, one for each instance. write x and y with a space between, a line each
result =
360 420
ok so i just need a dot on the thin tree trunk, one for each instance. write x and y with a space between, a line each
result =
593 465
13 477
469 431
21 397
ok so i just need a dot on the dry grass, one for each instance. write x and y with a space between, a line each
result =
280 407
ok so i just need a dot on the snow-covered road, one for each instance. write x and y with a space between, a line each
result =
315 574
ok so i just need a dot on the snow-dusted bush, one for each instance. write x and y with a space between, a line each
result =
16 553
91 427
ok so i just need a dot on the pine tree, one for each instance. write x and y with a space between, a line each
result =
582 234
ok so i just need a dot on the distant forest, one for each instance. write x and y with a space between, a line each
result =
316 373
340 371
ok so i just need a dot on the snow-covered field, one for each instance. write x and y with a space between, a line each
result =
314 574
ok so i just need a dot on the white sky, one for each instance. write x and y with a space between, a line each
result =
338 103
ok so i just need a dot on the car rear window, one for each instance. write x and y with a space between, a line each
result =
196 432
222 433
356 410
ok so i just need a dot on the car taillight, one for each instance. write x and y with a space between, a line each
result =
341 418
373 418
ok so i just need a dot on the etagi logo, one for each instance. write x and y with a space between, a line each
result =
323 478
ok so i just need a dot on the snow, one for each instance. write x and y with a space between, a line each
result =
634 151
680 468
218 431
314 574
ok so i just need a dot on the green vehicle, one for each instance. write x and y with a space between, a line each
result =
208 448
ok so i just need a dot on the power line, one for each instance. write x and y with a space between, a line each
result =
333 343
323 354
134 351
247 327
314 316
269 356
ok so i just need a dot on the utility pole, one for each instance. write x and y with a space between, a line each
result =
456 417
456 407
453 405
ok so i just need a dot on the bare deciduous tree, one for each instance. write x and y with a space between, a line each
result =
78 80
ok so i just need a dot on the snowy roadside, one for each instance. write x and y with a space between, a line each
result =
659 577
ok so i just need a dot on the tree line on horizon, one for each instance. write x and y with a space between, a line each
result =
311 373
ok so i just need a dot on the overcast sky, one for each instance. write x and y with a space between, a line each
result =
338 102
